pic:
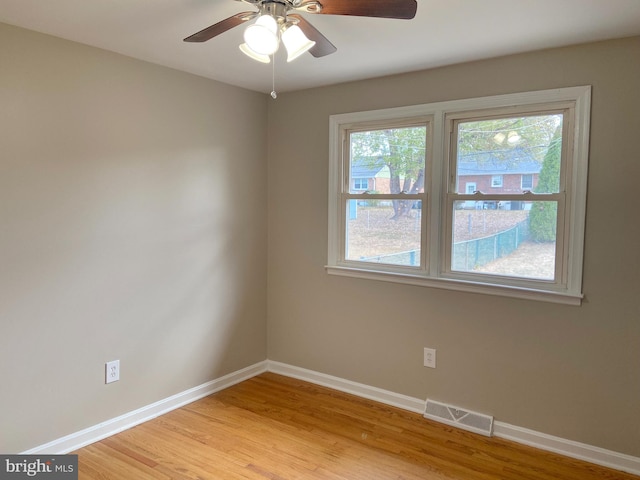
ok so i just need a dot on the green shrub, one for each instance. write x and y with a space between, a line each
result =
542 222
544 215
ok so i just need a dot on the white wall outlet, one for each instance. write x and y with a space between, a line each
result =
112 371
430 357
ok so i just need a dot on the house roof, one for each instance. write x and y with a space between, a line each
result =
366 167
512 161
516 160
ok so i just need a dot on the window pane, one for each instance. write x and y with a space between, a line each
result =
515 239
496 155
360 184
376 234
388 161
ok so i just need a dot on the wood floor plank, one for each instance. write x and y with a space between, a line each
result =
279 428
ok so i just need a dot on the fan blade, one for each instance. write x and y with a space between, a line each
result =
323 46
220 27
401 9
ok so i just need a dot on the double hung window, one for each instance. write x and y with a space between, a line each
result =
484 195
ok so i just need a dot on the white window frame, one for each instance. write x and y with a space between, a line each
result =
522 186
566 289
496 181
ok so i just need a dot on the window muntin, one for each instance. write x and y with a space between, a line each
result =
385 225
526 181
445 196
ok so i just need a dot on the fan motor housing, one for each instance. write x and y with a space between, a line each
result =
277 10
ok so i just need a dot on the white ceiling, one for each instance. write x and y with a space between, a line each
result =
443 32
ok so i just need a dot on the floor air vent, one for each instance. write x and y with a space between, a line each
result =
458 417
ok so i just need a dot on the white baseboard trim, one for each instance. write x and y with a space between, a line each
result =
568 448
365 391
115 425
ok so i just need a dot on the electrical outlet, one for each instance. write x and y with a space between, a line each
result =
430 357
112 371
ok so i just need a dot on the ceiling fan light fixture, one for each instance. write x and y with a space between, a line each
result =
262 36
244 48
296 42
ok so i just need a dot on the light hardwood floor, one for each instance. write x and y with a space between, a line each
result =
274 427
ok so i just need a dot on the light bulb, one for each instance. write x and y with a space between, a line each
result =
513 138
499 138
246 49
262 36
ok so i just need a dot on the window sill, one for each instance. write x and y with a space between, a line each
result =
564 298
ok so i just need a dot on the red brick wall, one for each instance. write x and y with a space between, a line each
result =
380 185
510 183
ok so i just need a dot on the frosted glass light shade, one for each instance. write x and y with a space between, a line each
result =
513 138
246 49
262 36
296 42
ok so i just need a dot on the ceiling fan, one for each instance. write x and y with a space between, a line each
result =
274 23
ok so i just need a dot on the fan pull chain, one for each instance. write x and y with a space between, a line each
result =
274 95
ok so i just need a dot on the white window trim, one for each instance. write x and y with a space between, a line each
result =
499 180
434 275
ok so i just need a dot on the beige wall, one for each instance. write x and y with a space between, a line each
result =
568 371
132 227
121 237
